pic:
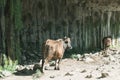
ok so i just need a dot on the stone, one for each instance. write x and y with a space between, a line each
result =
103 75
52 76
89 59
111 58
6 73
89 76
83 71
36 66
68 74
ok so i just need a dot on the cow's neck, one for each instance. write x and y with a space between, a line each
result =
64 45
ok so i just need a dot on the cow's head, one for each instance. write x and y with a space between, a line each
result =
67 43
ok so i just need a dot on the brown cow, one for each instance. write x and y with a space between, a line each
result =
107 42
54 49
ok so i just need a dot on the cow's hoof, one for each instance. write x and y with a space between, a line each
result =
46 68
57 68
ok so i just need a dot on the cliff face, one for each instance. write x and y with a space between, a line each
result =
85 21
25 24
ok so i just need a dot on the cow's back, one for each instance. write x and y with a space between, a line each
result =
53 48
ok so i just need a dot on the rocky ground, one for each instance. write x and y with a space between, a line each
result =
103 65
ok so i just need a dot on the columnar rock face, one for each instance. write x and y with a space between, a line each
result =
85 21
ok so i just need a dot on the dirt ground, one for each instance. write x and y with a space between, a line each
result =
104 68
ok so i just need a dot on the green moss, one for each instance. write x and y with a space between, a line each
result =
9 64
2 3
17 17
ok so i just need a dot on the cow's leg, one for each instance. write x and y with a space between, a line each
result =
44 65
57 64
43 61
47 63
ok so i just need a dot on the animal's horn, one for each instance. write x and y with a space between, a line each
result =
65 37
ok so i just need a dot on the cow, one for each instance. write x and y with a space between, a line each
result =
54 49
107 41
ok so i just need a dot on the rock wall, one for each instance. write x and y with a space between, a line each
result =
85 21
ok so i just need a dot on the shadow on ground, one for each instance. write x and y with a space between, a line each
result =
25 72
28 71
